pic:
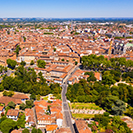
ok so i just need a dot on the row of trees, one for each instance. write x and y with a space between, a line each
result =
12 63
100 63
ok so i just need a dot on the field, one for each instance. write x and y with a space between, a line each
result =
85 106
82 116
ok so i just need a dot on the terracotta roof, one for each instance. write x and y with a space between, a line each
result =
51 127
12 112
20 96
1 108
82 126
16 131
6 100
30 113
97 75
63 130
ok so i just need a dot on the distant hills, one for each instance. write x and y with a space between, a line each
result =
124 20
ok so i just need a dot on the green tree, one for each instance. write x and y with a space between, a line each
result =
21 121
42 79
7 125
38 97
1 88
29 104
25 131
11 105
5 69
32 62
10 93
54 49
11 63
5 93
76 62
32 96
34 130
17 50
129 112
24 38
23 63
41 63
118 107
39 130
22 106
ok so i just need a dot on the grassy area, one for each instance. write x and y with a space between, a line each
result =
45 98
82 116
85 106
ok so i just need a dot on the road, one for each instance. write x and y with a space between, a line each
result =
67 119
66 112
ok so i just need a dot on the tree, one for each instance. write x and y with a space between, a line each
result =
32 96
54 49
102 119
129 112
22 106
76 62
42 79
7 125
7 83
91 76
38 97
11 63
24 38
108 79
5 69
1 88
29 104
118 107
25 131
32 62
34 130
11 105
21 121
41 63
17 50
62 60
10 93
39 130
23 63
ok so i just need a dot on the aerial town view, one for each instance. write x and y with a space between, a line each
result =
66 66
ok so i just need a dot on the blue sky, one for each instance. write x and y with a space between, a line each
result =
66 8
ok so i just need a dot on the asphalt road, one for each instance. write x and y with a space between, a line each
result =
66 111
67 115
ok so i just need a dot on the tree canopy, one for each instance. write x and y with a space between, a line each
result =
41 63
11 63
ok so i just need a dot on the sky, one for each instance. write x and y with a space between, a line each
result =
66 8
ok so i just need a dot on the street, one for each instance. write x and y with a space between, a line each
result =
67 115
67 120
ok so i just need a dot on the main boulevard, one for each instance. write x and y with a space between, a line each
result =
67 118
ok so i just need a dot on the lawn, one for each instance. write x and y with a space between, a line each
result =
82 116
85 106
45 98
